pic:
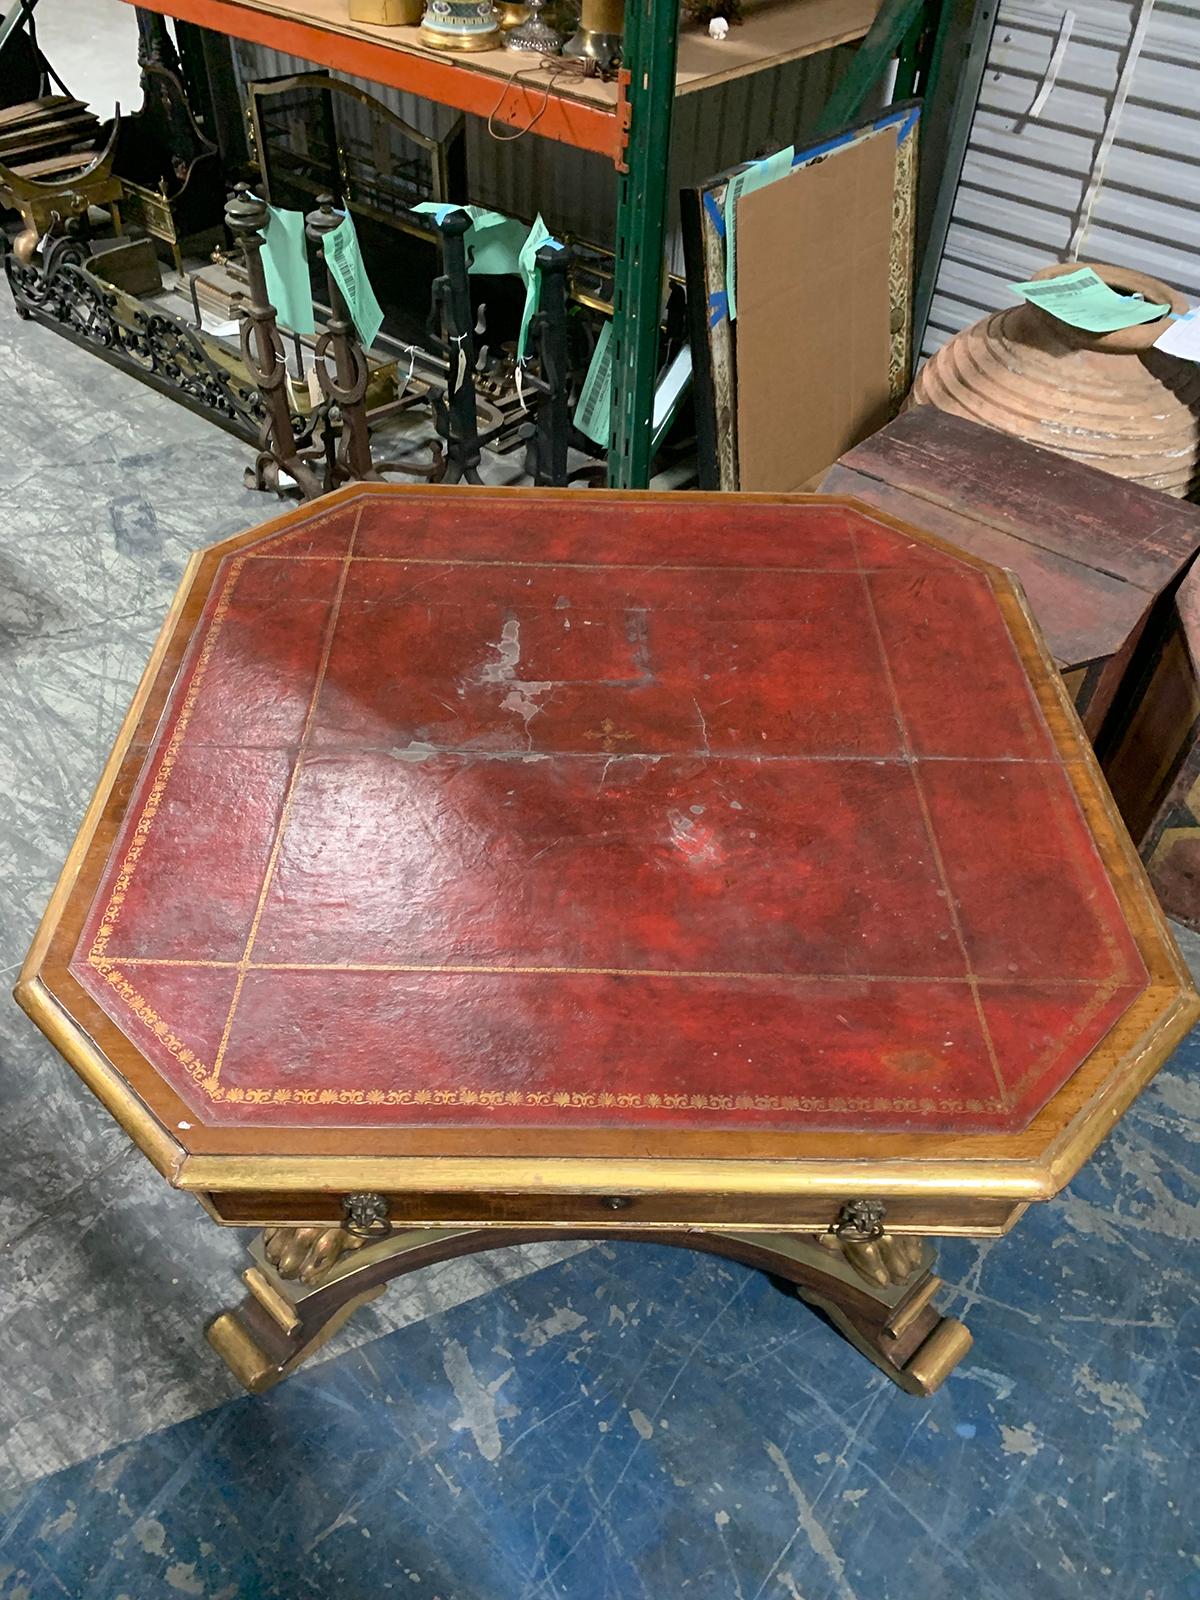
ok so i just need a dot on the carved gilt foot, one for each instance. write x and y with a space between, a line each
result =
306 1253
876 1288
889 1259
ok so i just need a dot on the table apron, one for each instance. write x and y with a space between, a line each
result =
960 1214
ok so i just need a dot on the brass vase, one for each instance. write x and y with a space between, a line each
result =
386 13
600 34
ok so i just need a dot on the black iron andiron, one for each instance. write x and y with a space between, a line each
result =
546 455
451 332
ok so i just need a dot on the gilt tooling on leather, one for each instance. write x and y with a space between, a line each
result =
478 811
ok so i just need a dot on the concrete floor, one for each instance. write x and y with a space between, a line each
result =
590 1422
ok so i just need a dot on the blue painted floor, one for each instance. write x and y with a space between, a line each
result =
636 1421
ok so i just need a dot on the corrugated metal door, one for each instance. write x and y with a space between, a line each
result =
1087 132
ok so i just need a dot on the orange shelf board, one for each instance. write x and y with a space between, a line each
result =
546 99
450 81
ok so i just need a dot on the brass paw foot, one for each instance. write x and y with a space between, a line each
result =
307 1253
888 1259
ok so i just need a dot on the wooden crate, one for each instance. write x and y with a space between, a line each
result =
1153 764
1095 554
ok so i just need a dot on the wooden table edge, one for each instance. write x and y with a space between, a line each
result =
1001 1177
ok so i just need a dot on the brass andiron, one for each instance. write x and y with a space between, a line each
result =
279 450
48 204
345 391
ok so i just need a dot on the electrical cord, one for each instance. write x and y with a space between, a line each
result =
558 67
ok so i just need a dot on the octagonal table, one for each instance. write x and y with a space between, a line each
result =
477 866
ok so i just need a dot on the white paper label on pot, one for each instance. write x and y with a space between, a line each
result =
1182 337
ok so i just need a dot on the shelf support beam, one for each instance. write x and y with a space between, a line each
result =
892 22
585 124
651 29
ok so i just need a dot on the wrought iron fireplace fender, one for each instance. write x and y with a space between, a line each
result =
150 344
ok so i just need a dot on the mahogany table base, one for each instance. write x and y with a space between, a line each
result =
305 1283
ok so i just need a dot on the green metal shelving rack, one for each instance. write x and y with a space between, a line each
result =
914 32
637 134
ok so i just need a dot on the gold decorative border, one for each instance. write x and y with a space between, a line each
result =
97 957
206 1076
589 1100
900 262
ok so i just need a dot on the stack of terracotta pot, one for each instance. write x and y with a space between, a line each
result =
1110 399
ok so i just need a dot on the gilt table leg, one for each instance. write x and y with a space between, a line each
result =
305 1282
878 1294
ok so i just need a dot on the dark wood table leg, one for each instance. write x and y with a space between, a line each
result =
305 1282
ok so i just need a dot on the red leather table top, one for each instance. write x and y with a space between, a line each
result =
462 811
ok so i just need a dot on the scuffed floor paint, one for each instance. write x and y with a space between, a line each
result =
712 1437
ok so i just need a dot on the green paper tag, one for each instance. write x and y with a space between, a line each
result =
345 260
593 414
495 245
493 241
755 177
1085 301
285 266
539 235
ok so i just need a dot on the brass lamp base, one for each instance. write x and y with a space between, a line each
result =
460 25
468 41
604 48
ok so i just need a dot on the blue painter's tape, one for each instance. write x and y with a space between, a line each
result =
909 123
714 213
810 152
718 307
